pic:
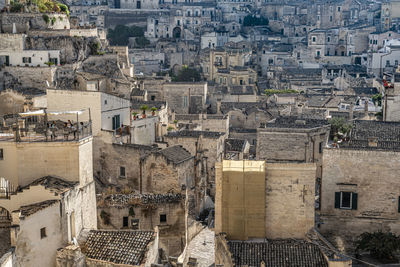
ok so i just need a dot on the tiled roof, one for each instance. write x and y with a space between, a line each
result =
195 134
176 154
295 122
120 247
33 208
385 135
282 253
52 183
128 199
138 92
232 144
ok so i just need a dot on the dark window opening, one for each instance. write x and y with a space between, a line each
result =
163 218
125 222
121 171
43 233
320 147
1 154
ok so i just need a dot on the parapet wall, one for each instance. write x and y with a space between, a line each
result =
25 21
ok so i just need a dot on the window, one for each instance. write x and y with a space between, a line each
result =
122 171
396 63
320 147
330 18
153 97
338 8
27 60
318 53
43 233
105 102
329 39
116 122
163 218
346 200
185 101
314 39
1 154
125 221
387 63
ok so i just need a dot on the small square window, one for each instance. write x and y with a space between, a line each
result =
43 233
125 221
163 218
105 102
1 154
122 171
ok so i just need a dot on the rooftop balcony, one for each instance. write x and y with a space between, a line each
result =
35 127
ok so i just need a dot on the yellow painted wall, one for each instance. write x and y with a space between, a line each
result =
242 198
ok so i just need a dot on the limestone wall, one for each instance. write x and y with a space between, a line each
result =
373 175
25 162
35 77
290 199
31 250
11 42
25 21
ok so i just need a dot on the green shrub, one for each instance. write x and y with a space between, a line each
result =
382 246
53 20
16 7
46 18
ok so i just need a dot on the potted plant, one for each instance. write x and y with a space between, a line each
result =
134 115
153 111
335 140
144 108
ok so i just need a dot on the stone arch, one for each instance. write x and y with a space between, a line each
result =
176 32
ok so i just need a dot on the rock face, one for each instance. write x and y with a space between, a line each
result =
72 49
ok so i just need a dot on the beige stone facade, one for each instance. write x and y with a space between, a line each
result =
257 199
371 177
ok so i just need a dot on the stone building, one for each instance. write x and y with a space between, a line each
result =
265 215
186 97
107 112
203 122
391 111
44 181
206 146
236 149
292 139
359 190
145 169
144 212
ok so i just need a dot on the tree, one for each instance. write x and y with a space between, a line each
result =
142 41
121 33
187 75
381 246
339 125
251 20
377 99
